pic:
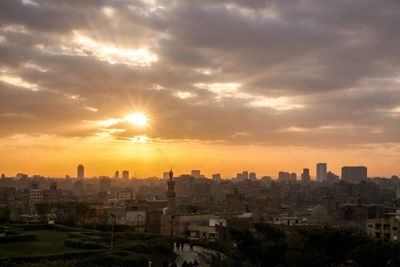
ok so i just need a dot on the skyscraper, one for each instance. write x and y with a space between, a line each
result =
321 172
116 175
80 172
305 176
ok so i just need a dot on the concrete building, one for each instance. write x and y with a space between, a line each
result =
354 174
384 228
196 174
305 176
80 172
252 176
321 172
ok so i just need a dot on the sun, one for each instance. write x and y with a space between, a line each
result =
138 119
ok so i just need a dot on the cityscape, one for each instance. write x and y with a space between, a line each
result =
199 133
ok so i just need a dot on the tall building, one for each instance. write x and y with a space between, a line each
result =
252 176
305 176
245 175
171 194
116 175
354 174
321 172
125 175
293 177
80 172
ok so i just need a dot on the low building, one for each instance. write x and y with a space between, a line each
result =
384 228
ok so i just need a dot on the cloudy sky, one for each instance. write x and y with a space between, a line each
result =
224 85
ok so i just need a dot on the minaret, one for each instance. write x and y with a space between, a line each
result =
171 193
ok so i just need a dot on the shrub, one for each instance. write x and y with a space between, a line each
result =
17 238
76 243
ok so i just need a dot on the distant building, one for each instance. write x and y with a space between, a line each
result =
283 176
21 176
166 175
80 172
354 174
384 228
116 175
305 176
321 172
252 176
332 178
196 174
293 177
216 177
125 175
104 184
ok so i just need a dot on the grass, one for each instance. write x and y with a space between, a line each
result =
47 242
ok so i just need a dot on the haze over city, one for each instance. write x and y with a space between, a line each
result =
220 86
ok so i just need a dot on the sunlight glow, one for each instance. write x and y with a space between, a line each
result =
138 119
111 54
17 81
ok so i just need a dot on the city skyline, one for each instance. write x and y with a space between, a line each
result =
216 85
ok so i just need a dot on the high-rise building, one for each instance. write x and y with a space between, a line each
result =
125 175
252 176
293 177
116 175
321 172
80 172
354 174
305 176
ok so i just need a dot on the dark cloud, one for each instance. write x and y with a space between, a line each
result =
336 63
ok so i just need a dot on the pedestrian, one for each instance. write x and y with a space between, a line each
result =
182 245
195 263
185 264
190 264
191 245
177 244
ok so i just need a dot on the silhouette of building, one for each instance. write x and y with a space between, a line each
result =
332 178
354 174
321 172
80 172
305 176
171 194
283 176
252 176
196 174
216 177
293 177
116 175
125 175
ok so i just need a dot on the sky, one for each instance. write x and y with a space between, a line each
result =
221 86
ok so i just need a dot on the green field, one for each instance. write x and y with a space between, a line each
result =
47 242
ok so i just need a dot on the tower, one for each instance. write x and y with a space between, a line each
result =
321 172
171 194
80 172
